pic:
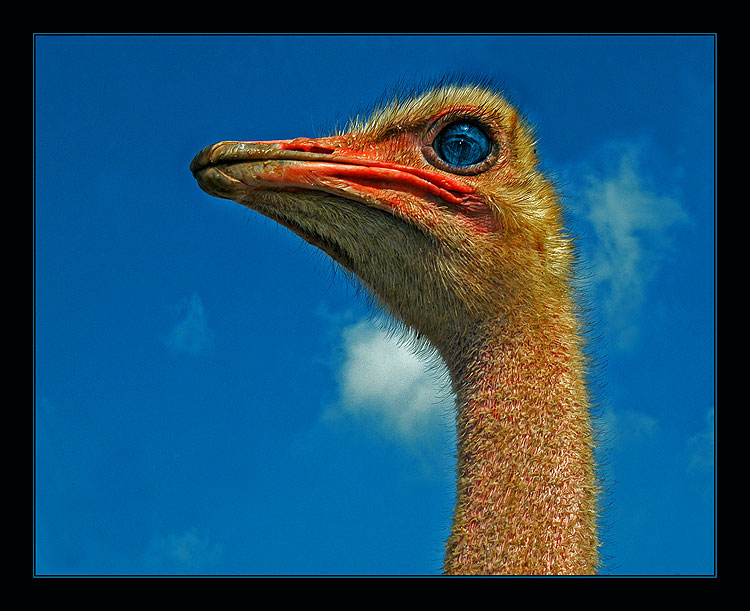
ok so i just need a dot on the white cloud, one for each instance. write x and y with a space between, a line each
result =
632 226
190 333
184 552
383 381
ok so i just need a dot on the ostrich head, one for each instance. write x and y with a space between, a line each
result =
435 203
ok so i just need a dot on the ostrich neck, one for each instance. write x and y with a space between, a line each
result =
526 486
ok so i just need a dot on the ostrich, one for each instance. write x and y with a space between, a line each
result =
435 202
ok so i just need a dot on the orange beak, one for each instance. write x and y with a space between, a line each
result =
234 170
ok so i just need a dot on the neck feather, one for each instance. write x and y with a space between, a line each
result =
526 499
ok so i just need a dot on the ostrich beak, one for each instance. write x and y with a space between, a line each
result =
234 170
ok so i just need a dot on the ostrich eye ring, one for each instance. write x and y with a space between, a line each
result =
462 147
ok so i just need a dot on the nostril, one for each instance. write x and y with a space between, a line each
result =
321 149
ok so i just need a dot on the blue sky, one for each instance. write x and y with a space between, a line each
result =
211 397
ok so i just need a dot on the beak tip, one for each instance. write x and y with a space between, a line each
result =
202 159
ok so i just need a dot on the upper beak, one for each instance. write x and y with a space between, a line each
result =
238 152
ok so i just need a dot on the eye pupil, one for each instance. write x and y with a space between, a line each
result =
462 144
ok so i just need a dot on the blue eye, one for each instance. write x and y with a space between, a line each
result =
462 144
